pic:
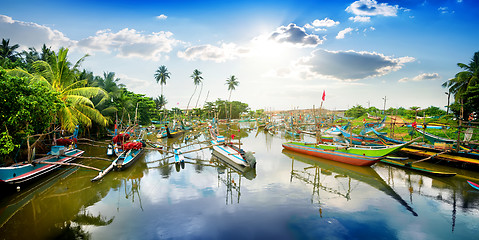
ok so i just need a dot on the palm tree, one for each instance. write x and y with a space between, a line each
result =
161 75
160 101
7 51
462 80
61 77
197 78
232 83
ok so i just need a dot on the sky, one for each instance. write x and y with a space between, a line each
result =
283 53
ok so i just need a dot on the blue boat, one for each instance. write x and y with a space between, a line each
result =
123 161
24 172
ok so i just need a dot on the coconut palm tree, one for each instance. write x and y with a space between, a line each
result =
232 83
61 77
197 79
160 101
7 51
462 80
161 75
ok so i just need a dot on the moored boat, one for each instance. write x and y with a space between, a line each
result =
231 153
355 155
23 172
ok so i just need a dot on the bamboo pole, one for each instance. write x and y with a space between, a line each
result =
68 164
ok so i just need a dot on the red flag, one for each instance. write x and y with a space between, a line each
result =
324 95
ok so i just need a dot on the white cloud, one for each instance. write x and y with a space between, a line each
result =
125 43
295 35
129 43
227 51
445 10
372 8
28 34
360 19
162 17
343 32
325 23
349 65
422 77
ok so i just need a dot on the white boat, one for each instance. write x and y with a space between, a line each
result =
227 151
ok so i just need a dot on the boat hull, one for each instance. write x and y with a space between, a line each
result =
27 172
123 162
338 156
229 154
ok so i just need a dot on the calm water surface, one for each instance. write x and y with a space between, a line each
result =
288 196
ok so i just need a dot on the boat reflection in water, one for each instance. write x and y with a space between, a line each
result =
230 175
57 206
326 167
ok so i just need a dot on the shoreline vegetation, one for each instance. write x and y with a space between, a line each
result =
44 92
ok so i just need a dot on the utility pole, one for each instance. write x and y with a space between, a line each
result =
448 97
384 108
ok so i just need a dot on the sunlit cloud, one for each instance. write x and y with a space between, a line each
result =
295 35
162 17
372 8
28 34
360 19
349 65
445 10
422 77
343 32
325 23
207 52
130 43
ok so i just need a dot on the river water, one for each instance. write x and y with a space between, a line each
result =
288 196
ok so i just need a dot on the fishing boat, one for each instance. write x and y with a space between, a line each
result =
231 153
435 139
355 154
369 127
473 184
162 133
23 172
131 152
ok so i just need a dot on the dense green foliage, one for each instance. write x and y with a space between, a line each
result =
26 108
465 88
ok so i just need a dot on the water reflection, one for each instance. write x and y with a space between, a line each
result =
339 170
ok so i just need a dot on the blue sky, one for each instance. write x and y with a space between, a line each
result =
284 53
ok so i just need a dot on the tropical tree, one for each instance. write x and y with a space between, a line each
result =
161 75
197 78
27 108
7 51
462 85
160 101
59 75
356 111
232 83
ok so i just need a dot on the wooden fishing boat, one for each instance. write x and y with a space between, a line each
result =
231 153
126 158
354 155
369 127
419 169
435 139
473 184
133 152
24 172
